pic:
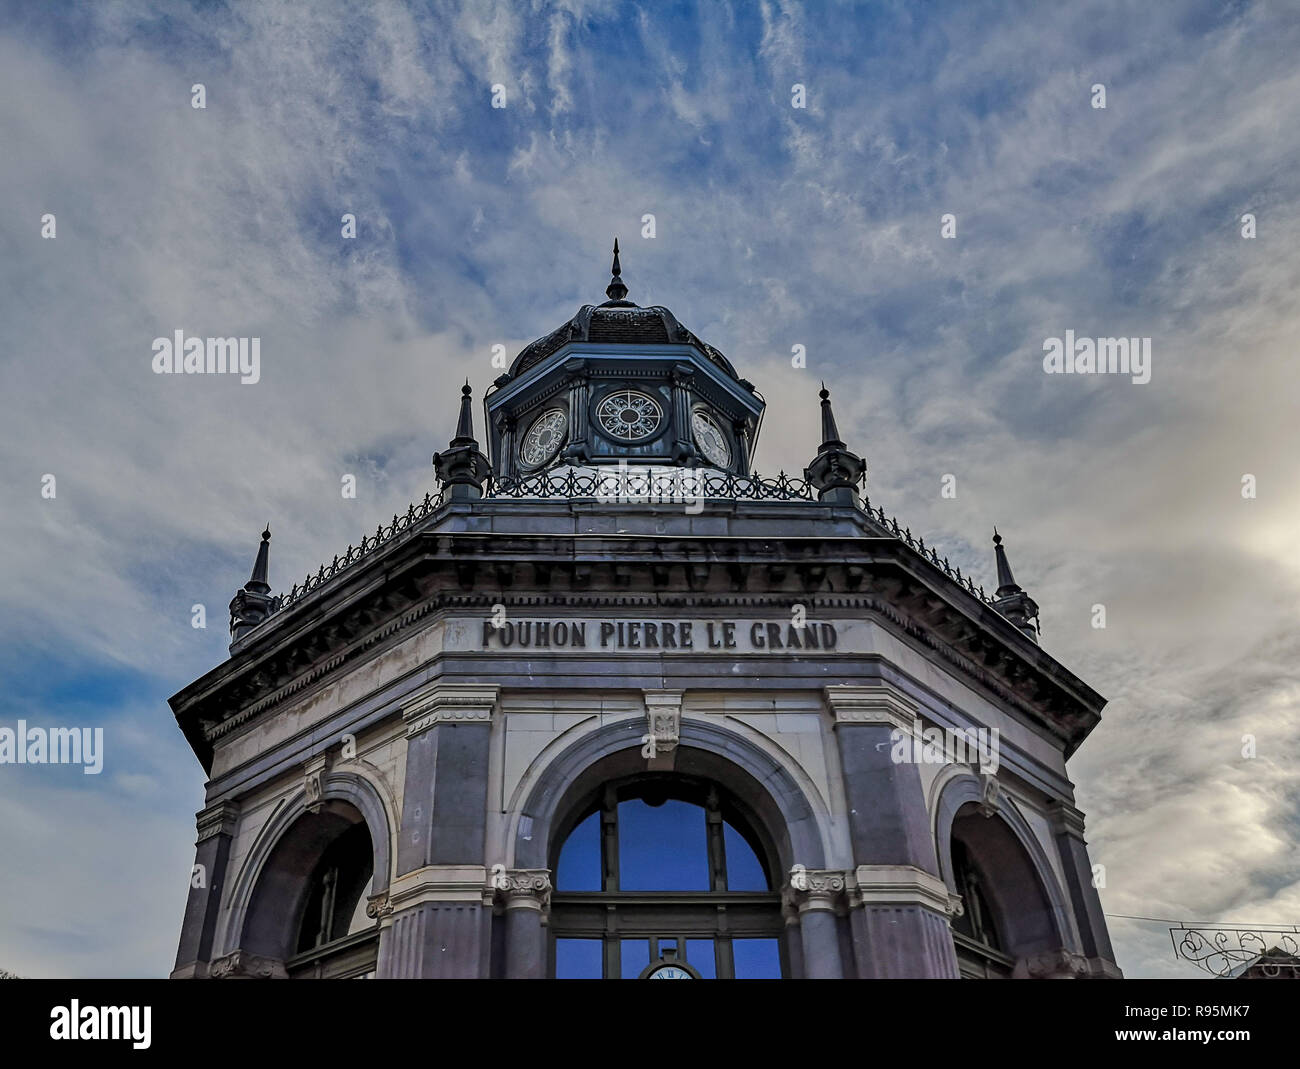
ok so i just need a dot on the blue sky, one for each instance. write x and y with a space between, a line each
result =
774 227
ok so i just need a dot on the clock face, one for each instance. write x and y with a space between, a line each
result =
544 437
710 438
670 972
629 415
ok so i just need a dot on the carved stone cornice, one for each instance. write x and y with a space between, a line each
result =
816 888
279 662
1060 964
241 965
899 885
450 703
882 703
521 888
220 818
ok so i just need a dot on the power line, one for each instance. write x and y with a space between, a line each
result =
1202 924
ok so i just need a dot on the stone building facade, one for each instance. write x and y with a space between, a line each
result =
611 704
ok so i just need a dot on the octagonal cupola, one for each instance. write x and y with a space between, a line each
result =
621 383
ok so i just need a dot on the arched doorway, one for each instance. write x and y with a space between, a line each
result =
308 909
664 875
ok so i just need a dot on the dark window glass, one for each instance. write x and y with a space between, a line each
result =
338 886
699 955
636 956
756 959
663 847
578 959
744 873
579 866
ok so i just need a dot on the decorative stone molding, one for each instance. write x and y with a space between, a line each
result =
314 782
521 888
956 905
664 720
241 965
899 885
379 906
1060 964
220 818
441 884
879 704
816 888
991 802
450 703
1065 819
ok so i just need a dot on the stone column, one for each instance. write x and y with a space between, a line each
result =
899 917
216 829
683 375
1067 829
579 382
440 924
818 896
525 895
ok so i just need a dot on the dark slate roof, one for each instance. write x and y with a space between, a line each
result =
617 323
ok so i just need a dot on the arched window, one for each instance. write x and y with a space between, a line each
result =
666 876
335 938
1007 915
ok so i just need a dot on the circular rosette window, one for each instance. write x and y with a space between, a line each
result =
711 438
544 438
629 415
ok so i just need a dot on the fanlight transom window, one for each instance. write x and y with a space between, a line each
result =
664 876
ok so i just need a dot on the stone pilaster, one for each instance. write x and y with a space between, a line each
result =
525 896
899 918
899 921
1067 830
440 923
818 897
216 829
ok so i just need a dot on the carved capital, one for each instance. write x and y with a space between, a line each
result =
241 965
1065 819
450 703
521 888
220 818
816 888
379 906
1060 964
880 704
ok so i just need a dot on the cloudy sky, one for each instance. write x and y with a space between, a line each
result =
775 226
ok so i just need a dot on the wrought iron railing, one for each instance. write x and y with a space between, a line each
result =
1225 951
621 486
632 485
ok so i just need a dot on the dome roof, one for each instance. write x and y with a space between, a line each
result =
617 322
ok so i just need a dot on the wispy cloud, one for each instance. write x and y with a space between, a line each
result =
775 226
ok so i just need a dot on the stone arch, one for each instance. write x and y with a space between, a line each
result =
1029 898
777 806
280 862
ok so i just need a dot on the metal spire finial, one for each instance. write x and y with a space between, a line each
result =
616 291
